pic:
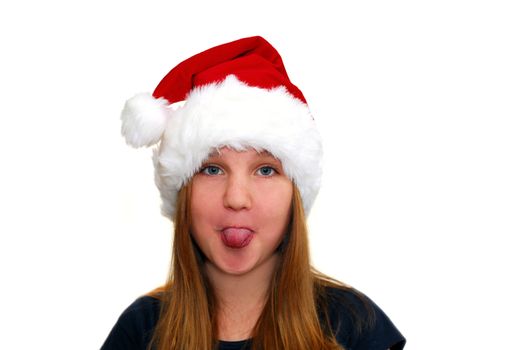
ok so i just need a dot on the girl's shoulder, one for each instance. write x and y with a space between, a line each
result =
358 322
355 320
134 328
146 308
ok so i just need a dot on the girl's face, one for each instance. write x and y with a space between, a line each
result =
240 209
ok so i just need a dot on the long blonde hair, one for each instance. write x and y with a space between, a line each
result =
290 318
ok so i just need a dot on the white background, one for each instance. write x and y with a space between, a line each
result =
420 106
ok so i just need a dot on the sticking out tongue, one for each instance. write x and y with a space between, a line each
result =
236 237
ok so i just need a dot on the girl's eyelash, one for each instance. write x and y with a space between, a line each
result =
205 167
269 167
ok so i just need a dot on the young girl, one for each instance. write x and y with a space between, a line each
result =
238 167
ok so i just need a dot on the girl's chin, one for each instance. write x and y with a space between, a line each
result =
235 267
242 266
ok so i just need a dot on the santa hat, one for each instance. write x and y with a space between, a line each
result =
237 95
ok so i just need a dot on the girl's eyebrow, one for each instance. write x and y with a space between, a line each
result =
262 159
270 160
262 156
270 157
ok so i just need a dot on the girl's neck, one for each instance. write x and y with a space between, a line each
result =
241 298
240 290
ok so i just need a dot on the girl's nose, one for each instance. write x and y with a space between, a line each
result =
237 194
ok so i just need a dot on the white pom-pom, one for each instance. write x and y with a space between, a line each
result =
144 119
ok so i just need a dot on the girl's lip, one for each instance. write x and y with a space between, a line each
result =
236 227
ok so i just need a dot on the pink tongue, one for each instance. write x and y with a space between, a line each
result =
236 237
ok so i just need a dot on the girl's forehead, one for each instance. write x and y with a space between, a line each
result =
227 152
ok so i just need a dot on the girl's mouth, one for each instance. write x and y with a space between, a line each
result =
236 237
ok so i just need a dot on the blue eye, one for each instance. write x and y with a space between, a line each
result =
211 170
266 171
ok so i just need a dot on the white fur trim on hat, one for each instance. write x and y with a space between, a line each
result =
144 119
231 113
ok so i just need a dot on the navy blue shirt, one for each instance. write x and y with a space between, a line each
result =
135 326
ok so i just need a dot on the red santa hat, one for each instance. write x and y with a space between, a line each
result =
237 95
